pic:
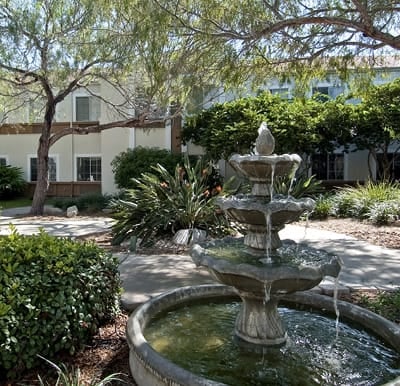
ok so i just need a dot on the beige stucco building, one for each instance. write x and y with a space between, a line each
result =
80 163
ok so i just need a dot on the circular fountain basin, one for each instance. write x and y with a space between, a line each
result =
149 368
295 268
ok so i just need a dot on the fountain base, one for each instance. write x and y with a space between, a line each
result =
149 368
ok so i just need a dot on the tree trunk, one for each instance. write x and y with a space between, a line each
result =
42 183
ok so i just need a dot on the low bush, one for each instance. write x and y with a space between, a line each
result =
163 203
367 202
383 213
88 203
12 182
72 377
132 163
54 294
323 207
385 303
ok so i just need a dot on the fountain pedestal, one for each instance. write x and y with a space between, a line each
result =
259 322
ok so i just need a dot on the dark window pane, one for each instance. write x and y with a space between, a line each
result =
328 166
82 108
33 167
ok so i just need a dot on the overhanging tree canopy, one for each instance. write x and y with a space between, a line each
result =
291 33
51 48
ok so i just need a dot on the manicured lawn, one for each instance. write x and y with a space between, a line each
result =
7 204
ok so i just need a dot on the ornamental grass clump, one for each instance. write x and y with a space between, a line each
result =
374 201
54 294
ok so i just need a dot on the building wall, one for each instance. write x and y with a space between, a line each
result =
16 146
113 142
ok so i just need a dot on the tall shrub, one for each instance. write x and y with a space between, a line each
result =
133 162
54 293
12 182
163 203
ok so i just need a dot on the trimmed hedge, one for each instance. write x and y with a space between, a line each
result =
54 294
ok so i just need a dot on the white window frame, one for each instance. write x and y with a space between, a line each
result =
328 170
55 157
76 156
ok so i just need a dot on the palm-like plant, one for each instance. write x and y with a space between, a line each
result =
163 203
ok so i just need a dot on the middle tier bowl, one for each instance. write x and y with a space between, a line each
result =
263 219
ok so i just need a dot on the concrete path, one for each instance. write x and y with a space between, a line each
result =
145 276
364 265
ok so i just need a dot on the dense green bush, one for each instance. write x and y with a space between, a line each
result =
88 203
133 162
54 293
12 182
367 202
163 203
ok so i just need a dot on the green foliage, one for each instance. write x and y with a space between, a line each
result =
370 201
301 186
323 207
376 123
88 203
54 293
132 163
385 303
382 213
162 203
72 377
298 126
12 182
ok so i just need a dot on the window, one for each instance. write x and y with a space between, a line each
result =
394 161
88 168
52 173
3 161
328 166
322 93
87 108
282 92
325 93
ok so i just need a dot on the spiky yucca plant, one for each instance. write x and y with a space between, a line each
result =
163 203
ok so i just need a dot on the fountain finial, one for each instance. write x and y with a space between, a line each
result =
265 142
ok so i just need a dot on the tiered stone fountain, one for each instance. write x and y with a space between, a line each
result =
264 277
260 270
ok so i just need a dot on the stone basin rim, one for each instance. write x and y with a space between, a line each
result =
151 369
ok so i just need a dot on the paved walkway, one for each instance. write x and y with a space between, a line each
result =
145 276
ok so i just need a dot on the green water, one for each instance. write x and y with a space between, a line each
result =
290 254
199 338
